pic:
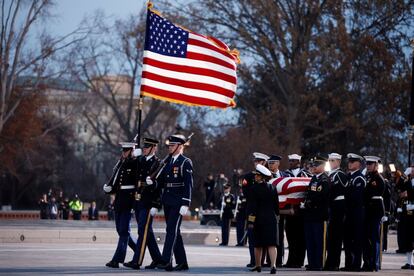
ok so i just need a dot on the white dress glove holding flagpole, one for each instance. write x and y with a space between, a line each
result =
107 188
153 211
183 210
137 152
149 181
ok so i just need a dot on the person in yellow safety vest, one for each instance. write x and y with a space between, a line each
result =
76 207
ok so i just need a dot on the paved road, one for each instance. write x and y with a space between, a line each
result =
72 259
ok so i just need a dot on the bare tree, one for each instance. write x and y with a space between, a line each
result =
109 64
19 56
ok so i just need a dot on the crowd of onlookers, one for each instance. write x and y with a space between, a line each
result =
57 206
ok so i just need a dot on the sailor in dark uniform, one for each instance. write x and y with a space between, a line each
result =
241 218
354 217
247 184
406 212
316 214
273 164
294 227
176 177
338 185
147 203
262 217
122 183
228 203
374 212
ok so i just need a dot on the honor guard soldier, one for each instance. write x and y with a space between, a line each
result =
122 184
316 214
273 164
354 217
241 218
406 224
176 177
294 226
374 212
247 184
338 185
147 203
228 203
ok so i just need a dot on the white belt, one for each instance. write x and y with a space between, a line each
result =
340 197
376 197
127 187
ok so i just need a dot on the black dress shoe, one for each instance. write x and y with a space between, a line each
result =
166 266
273 270
345 269
250 265
407 266
181 267
256 268
222 244
112 264
132 265
152 265
309 268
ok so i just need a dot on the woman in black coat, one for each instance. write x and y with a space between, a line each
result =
263 217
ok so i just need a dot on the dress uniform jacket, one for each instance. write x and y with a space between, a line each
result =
123 184
263 212
317 198
373 196
147 196
177 180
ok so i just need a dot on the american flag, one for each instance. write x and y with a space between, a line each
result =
184 67
291 190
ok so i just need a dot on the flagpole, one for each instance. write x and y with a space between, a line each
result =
138 136
411 119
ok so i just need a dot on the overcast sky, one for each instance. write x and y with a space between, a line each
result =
69 13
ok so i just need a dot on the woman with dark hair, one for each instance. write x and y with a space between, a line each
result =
263 217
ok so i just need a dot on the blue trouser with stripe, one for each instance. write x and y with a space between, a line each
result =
173 240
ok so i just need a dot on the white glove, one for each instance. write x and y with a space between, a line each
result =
153 211
107 188
183 210
410 207
136 152
238 201
149 181
399 210
302 205
384 219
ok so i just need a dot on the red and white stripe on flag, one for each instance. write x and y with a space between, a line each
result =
187 68
291 190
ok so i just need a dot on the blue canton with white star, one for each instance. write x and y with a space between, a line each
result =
163 37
